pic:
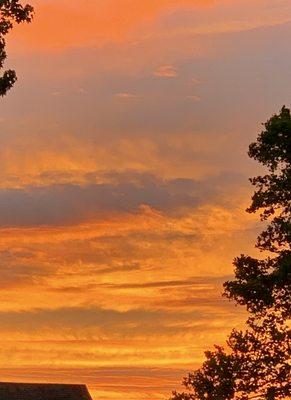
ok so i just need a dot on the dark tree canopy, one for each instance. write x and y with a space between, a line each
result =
256 279
256 365
11 11
257 362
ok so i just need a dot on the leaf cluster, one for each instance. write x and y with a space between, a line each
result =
11 11
256 280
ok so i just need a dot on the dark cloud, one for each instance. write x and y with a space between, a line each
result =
194 282
69 203
105 320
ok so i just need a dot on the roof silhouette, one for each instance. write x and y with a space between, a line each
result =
36 391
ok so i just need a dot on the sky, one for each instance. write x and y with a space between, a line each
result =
124 182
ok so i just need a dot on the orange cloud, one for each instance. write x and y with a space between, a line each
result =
120 292
65 24
166 71
56 158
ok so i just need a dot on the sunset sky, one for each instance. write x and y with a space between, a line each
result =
123 184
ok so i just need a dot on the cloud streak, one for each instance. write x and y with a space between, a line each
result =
70 204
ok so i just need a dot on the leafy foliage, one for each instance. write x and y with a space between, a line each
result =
255 366
257 362
257 279
11 11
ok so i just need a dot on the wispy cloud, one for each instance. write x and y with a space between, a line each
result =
125 95
166 71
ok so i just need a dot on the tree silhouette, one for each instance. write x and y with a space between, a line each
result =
256 362
11 11
257 280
